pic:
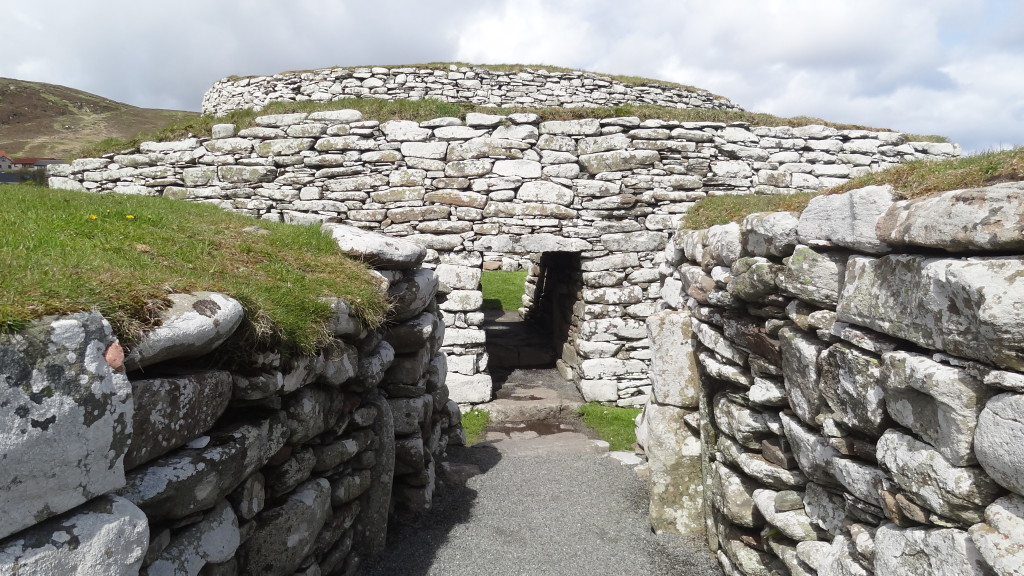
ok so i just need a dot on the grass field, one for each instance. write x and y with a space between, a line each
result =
66 251
503 290
613 424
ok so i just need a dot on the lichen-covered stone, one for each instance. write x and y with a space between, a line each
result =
850 386
190 480
939 403
961 493
108 536
969 308
915 551
1001 538
978 219
800 365
171 411
846 219
814 277
999 440
66 418
677 497
193 326
285 534
212 540
673 371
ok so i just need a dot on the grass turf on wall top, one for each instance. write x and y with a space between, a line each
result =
64 252
915 179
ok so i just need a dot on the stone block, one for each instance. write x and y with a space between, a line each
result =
673 371
814 277
473 389
193 326
284 535
939 403
66 418
968 308
108 536
846 219
915 551
673 451
999 440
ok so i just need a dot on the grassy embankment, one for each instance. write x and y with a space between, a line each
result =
911 180
63 252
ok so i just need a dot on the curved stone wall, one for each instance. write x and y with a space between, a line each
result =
531 87
494 188
162 463
840 391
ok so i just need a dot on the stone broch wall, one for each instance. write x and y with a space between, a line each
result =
841 391
531 87
162 462
492 190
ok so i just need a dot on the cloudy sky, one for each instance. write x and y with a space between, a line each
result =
950 67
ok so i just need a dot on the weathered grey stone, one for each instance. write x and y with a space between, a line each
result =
193 326
969 308
745 425
535 243
246 174
285 534
1001 538
849 383
929 479
840 560
618 160
673 372
757 467
212 540
171 411
753 279
249 497
733 495
404 131
748 561
66 417
914 551
469 389
724 371
412 294
677 498
800 365
812 452
586 127
999 440
635 241
108 536
828 510
814 277
846 219
723 243
939 403
545 191
959 221
428 150
793 523
862 480
195 479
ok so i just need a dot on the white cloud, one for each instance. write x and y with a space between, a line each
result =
944 66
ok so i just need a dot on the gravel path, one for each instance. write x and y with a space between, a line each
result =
547 505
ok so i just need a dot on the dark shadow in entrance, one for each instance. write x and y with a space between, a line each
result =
535 341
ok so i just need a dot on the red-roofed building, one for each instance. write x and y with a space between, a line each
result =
35 162
5 162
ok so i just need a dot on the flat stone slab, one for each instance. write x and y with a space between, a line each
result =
380 251
194 325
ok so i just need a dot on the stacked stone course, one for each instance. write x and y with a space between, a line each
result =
844 386
498 191
531 87
163 462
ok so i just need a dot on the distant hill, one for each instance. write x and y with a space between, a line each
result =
47 120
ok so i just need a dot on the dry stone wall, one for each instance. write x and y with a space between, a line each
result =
163 462
497 190
845 387
531 87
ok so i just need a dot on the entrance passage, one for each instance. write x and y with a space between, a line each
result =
533 336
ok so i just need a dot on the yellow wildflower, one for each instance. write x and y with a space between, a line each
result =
92 216
129 216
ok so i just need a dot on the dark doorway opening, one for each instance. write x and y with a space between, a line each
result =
535 339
